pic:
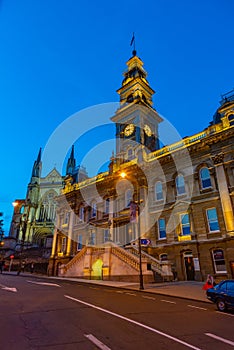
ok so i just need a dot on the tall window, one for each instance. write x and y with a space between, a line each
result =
180 186
66 218
81 213
162 228
128 198
158 191
212 219
106 235
94 210
219 261
79 241
63 244
185 224
205 178
107 205
92 238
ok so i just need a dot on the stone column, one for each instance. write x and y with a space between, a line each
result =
224 193
70 231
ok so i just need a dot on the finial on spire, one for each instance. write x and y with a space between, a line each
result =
133 42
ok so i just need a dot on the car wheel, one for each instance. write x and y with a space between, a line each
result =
221 305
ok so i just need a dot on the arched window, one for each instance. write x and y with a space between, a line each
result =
128 198
158 190
180 186
219 261
163 257
205 178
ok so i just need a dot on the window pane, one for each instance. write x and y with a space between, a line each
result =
162 228
180 184
212 220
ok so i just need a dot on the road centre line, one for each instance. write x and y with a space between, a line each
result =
134 322
221 339
145 297
224 314
45 283
168 301
131 294
97 342
197 307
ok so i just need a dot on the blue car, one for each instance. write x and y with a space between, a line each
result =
222 295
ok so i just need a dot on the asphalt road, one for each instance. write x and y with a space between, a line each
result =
63 315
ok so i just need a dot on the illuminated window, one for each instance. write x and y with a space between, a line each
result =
219 261
162 228
158 191
212 219
185 224
63 244
180 186
205 178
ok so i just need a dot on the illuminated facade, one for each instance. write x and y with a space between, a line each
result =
184 192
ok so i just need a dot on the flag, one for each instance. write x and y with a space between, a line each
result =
133 211
133 39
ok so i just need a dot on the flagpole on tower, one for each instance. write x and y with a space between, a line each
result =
133 42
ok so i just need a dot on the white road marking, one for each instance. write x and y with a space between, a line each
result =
13 289
97 342
145 297
221 339
168 301
224 313
196 307
93 288
134 322
45 284
119 291
131 294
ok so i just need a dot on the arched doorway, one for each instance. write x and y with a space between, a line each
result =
189 266
96 273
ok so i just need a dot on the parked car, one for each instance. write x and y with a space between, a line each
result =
222 295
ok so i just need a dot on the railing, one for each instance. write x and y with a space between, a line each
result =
155 264
74 260
126 257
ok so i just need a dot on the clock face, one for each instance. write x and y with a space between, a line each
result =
129 129
147 130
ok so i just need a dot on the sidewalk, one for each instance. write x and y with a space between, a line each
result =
191 290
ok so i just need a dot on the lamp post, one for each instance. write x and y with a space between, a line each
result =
135 217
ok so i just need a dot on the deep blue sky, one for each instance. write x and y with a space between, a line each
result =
58 57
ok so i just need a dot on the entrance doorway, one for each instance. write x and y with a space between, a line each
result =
96 273
189 266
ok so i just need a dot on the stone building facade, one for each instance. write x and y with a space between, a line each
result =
177 198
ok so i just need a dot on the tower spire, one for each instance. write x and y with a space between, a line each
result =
133 43
71 163
36 171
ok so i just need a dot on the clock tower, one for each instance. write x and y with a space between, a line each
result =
136 120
